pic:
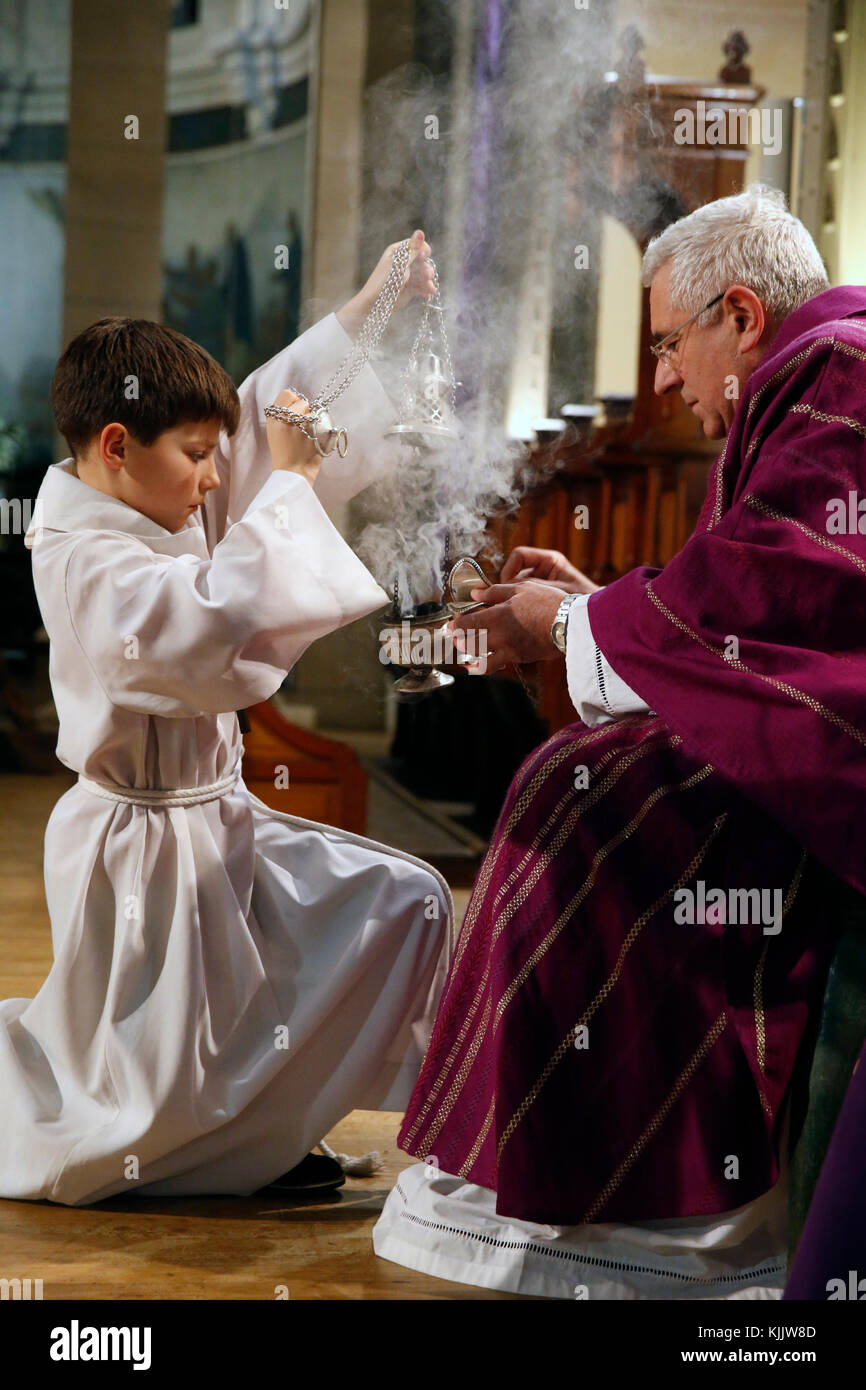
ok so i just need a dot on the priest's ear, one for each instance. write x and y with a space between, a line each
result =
747 316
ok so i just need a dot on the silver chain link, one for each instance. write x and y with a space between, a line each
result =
356 359
372 328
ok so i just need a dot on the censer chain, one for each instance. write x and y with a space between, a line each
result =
370 334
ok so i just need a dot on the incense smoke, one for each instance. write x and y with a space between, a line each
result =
493 141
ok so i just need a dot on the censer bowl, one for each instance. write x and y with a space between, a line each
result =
416 684
421 676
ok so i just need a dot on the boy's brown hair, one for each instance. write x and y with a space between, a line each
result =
143 375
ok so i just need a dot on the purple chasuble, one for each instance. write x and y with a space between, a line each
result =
648 935
778 562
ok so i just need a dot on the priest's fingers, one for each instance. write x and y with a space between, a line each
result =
488 664
489 632
526 578
473 620
521 561
492 594
542 564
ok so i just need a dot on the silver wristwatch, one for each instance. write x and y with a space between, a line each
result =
559 627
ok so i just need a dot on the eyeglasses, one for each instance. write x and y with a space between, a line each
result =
663 350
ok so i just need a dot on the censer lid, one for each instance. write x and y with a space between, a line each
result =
464 576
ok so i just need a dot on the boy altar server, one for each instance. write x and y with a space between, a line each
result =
228 981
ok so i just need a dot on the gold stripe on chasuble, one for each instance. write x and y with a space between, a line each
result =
519 808
758 1002
586 802
788 367
783 371
738 665
804 409
589 882
525 799
567 826
759 505
456 1085
661 1114
632 935
717 505
466 1167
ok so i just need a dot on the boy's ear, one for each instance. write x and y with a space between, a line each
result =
112 445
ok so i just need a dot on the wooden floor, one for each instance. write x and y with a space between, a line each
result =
228 1247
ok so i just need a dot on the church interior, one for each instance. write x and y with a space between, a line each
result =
274 151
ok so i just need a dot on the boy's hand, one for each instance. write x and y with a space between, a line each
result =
291 450
417 280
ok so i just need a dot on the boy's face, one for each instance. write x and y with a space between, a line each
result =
166 480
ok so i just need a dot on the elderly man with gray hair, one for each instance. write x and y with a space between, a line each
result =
604 1101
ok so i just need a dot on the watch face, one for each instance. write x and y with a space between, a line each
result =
559 634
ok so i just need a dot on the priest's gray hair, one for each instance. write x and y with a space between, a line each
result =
749 239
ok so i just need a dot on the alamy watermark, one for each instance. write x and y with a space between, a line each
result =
853 1288
741 125
24 1289
16 514
422 646
846 516
77 1343
735 906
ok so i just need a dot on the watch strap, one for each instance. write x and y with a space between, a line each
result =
562 618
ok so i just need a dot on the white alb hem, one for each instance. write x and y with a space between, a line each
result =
446 1227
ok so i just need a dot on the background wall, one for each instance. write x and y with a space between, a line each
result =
236 183
686 42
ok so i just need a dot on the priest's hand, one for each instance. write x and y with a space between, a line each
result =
417 280
526 562
513 626
291 450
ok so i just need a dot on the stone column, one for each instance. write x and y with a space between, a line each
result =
116 159
340 676
337 186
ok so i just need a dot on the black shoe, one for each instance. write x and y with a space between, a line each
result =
315 1173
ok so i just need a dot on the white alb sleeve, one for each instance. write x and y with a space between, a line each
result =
179 636
597 692
244 460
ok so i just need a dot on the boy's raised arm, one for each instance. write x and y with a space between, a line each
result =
182 636
364 408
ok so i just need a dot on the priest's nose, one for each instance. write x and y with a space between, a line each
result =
667 378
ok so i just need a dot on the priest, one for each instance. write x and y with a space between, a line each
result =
603 1102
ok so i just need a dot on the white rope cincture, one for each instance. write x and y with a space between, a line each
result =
363 1166
162 797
